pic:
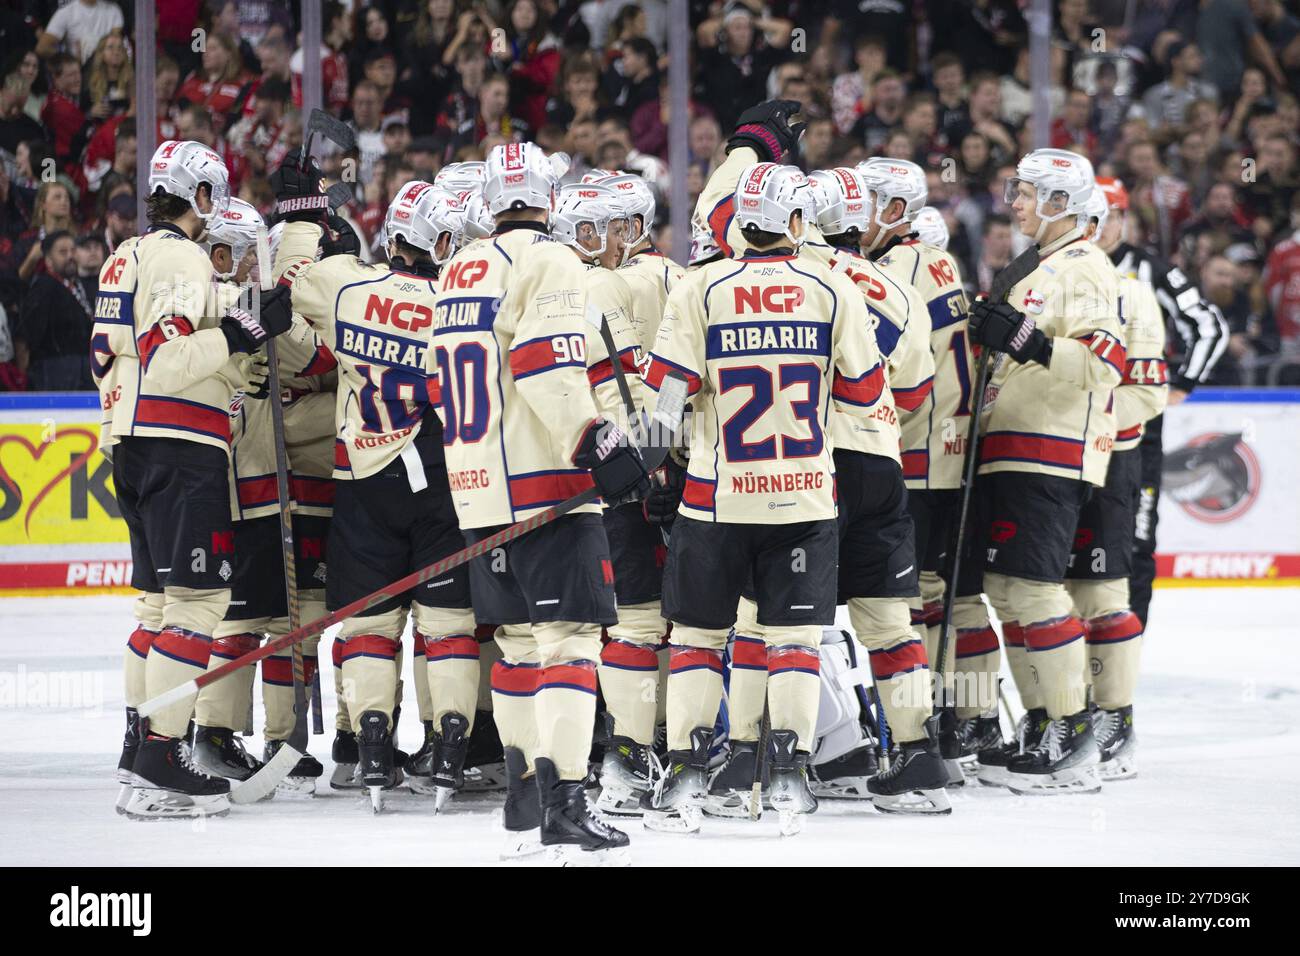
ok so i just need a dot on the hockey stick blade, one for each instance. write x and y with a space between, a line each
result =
333 129
263 783
339 195
668 413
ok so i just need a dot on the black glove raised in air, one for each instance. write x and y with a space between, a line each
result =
298 195
766 128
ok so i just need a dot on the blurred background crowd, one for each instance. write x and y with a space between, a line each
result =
1193 103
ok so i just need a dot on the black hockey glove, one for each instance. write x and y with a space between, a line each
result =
1004 328
614 462
298 195
259 378
246 330
665 494
345 241
766 127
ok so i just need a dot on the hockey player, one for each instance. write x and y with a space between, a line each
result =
162 365
1102 559
257 606
765 342
1045 440
522 432
648 272
1200 333
393 511
933 444
589 218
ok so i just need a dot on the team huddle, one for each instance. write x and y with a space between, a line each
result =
663 637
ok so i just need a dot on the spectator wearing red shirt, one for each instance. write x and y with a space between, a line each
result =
337 34
220 84
532 56
257 142
62 114
1073 128
1282 281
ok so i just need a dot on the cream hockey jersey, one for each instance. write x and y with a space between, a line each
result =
1142 394
377 323
609 297
157 352
509 373
934 433
650 276
767 343
1052 420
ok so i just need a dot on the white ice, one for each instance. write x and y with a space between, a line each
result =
1216 715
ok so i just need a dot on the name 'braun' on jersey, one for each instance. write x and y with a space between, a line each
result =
766 344
376 322
157 347
1052 421
934 439
1142 395
510 375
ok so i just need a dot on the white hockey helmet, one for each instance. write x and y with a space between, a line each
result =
931 228
637 199
767 196
1099 209
237 228
596 175
422 213
519 176
703 246
458 177
843 202
179 167
592 203
1060 178
478 220
889 179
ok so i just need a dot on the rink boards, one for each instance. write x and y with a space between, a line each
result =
1229 513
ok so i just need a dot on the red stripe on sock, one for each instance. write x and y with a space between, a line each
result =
235 645
370 645
455 646
792 658
899 659
1114 628
690 658
419 644
184 646
749 653
1013 634
336 652
576 675
278 671
971 642
1049 635
629 657
141 640
515 680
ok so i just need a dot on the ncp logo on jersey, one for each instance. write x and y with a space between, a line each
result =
76 909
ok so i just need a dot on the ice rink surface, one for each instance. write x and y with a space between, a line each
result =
1217 716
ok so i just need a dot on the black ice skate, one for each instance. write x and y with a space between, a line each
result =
676 803
1117 743
344 754
168 784
1064 761
914 782
419 765
375 752
731 791
522 814
126 763
976 735
485 769
218 751
624 777
845 777
993 762
449 750
301 781
788 767
572 834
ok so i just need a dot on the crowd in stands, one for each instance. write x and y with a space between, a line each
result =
1192 103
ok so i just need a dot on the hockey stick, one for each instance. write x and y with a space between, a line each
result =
598 322
1017 270
668 415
